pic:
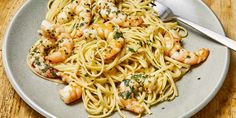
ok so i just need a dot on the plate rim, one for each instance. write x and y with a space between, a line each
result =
10 75
219 84
45 113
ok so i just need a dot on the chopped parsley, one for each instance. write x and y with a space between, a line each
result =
54 74
61 41
46 68
126 82
37 61
118 35
36 50
86 75
131 49
109 11
81 25
46 50
126 94
32 53
138 76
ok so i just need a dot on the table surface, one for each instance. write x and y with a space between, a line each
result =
222 106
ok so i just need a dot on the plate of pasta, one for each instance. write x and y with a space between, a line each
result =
113 58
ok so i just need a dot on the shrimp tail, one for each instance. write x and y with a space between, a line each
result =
177 52
70 93
187 57
202 55
132 105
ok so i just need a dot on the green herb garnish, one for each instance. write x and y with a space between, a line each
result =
138 76
37 61
126 94
46 68
118 35
126 82
54 74
131 50
81 25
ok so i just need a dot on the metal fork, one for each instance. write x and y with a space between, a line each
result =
166 14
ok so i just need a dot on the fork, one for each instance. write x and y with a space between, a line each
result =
166 14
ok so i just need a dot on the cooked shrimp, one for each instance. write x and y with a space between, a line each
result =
71 93
187 57
178 53
40 56
50 30
132 105
131 86
109 11
65 47
67 12
36 59
113 37
64 40
85 14
76 8
149 84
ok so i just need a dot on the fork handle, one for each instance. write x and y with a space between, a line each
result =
217 37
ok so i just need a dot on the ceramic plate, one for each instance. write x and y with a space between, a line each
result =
42 95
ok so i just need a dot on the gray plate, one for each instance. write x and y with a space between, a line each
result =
42 95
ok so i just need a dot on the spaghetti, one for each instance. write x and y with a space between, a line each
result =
115 54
